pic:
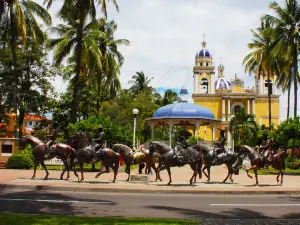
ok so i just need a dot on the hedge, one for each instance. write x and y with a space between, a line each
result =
19 161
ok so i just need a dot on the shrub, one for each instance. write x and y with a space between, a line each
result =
19 161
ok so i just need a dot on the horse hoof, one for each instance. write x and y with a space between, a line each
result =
160 180
32 178
96 176
61 178
169 184
114 181
232 181
46 178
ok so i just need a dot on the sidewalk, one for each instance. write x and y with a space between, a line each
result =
242 184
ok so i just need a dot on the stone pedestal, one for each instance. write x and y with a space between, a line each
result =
139 178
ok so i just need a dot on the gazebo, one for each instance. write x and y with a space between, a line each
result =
183 114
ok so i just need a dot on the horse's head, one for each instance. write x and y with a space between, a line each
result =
23 142
158 147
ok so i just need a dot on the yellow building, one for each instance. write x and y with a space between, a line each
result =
224 98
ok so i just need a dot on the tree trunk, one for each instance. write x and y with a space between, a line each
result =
21 120
75 100
14 58
269 99
288 102
295 78
293 149
98 95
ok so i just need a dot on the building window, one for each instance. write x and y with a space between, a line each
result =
30 123
271 87
201 64
237 109
204 86
206 64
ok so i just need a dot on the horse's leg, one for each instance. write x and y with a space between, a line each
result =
277 178
247 171
115 169
194 168
203 170
66 167
127 170
81 170
44 166
170 178
231 177
281 182
34 172
229 172
208 173
101 172
157 177
256 178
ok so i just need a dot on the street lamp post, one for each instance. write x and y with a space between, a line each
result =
135 113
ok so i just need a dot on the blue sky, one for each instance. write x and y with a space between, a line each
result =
165 36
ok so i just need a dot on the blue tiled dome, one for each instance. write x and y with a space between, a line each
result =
222 83
203 53
183 110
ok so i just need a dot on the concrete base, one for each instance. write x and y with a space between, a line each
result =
139 178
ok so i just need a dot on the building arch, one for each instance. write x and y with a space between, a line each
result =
204 84
271 86
237 107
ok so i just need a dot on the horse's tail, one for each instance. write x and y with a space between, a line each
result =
282 157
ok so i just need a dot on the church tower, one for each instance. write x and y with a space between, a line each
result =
204 72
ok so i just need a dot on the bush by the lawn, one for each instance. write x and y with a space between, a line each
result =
19 161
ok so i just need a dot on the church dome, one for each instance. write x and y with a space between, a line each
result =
183 110
204 53
222 83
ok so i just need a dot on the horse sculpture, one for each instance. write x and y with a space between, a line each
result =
230 159
85 153
257 161
190 156
42 153
145 157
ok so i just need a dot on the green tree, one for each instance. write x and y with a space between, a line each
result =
107 79
18 21
243 128
286 37
262 59
140 82
36 93
170 97
288 134
76 13
84 45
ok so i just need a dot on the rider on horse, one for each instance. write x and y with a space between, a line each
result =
52 136
219 146
181 143
99 140
266 152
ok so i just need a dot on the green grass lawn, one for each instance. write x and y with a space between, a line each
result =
271 170
20 219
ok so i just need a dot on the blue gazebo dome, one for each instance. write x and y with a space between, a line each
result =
184 110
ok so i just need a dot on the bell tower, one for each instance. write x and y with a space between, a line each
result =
204 71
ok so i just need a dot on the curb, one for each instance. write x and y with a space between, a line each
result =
249 191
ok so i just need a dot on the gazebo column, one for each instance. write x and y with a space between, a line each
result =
152 127
198 124
170 133
214 131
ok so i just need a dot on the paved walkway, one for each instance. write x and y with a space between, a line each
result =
180 184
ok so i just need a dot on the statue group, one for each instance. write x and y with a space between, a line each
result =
82 149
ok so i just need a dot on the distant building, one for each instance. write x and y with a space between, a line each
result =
32 121
225 98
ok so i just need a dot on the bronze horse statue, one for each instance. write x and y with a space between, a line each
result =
145 157
190 156
257 161
41 153
85 153
233 161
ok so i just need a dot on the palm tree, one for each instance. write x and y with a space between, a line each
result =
86 52
140 82
287 25
261 60
170 97
18 21
81 11
111 60
243 127
103 4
